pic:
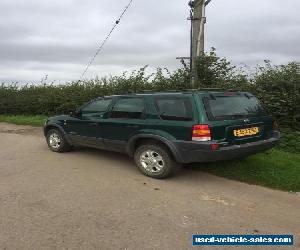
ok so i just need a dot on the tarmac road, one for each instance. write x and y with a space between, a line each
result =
91 199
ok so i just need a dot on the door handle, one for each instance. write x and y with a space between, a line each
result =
93 124
132 126
97 116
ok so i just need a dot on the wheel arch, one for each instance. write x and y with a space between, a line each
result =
143 139
58 127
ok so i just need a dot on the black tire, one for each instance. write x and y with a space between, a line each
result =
168 165
62 146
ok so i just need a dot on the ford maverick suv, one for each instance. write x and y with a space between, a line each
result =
162 130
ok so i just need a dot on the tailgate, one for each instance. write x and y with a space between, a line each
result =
236 117
242 131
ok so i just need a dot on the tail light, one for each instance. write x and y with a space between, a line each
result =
201 133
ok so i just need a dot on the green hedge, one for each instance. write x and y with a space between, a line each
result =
56 99
277 86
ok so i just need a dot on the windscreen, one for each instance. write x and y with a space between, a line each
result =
233 107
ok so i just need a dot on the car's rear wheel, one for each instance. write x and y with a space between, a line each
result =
155 161
57 142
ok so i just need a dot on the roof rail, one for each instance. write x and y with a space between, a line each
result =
146 91
161 91
210 89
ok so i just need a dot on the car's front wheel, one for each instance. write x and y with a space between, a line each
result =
155 161
57 142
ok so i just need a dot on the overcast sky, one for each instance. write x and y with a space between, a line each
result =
58 37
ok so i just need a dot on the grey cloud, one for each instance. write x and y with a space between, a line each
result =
59 37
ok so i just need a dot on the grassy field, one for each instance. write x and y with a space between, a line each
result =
276 169
24 120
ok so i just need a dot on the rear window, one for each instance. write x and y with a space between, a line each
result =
233 107
174 108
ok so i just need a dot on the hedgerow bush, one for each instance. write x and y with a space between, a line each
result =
52 99
278 87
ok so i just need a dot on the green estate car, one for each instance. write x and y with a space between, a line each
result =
162 130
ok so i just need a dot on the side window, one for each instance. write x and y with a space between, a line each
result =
175 108
96 108
130 108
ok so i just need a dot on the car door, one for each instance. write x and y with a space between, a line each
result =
86 128
125 118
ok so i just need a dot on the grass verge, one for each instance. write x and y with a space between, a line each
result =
275 169
37 120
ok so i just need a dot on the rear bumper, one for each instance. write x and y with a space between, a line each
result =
189 152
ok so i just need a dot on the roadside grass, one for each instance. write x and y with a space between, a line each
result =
275 169
37 120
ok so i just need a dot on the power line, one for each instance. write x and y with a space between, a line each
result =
105 40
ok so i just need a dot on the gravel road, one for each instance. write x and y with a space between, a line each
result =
91 199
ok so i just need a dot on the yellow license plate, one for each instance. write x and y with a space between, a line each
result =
246 132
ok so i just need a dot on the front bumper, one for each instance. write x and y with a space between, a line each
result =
189 152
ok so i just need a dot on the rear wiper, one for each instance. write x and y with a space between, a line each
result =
239 115
233 116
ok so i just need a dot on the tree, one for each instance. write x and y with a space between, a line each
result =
213 71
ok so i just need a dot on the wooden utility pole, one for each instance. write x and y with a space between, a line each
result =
197 43
198 20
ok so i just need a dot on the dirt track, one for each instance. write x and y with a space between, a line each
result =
91 199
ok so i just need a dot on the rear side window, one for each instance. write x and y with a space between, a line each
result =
130 108
233 107
174 108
